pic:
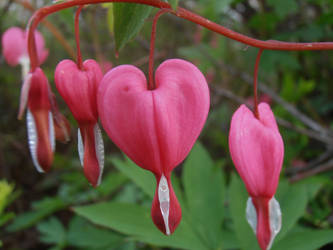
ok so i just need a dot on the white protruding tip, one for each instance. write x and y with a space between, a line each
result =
32 140
99 148
80 147
275 218
164 199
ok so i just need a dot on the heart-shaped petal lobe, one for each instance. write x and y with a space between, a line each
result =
155 128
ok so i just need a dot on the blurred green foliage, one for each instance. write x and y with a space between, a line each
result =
60 210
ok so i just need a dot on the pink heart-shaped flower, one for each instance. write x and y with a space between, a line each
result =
156 128
78 87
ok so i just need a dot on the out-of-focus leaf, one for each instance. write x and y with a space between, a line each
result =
4 218
128 20
81 233
52 232
204 191
283 7
237 200
174 4
136 221
143 178
293 204
41 209
307 240
109 18
111 182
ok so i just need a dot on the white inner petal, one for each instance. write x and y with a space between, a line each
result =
80 146
51 132
32 140
164 199
251 215
99 148
25 64
275 218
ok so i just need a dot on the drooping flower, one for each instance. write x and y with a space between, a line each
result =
156 128
256 148
39 120
14 47
79 89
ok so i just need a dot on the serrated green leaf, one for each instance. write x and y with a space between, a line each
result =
41 209
237 201
143 178
81 233
52 232
307 240
204 191
128 20
136 221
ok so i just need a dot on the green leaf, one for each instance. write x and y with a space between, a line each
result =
307 240
143 178
136 221
283 7
204 191
81 233
174 4
293 204
41 209
52 232
128 20
237 200
111 182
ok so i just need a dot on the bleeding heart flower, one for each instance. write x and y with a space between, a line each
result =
14 46
156 128
79 89
256 148
39 119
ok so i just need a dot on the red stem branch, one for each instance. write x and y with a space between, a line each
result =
151 83
77 37
255 83
180 12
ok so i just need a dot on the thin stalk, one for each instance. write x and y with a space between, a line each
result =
77 37
255 84
151 83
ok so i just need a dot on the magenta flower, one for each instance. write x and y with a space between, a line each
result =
256 148
156 128
39 120
79 89
14 46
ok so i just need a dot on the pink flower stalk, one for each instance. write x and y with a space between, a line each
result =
79 89
156 128
39 120
256 148
14 46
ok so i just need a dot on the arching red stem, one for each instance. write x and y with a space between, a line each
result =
180 12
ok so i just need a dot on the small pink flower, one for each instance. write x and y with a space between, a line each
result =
256 148
14 46
79 89
156 128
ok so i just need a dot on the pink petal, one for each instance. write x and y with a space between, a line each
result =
79 88
155 128
256 148
13 45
